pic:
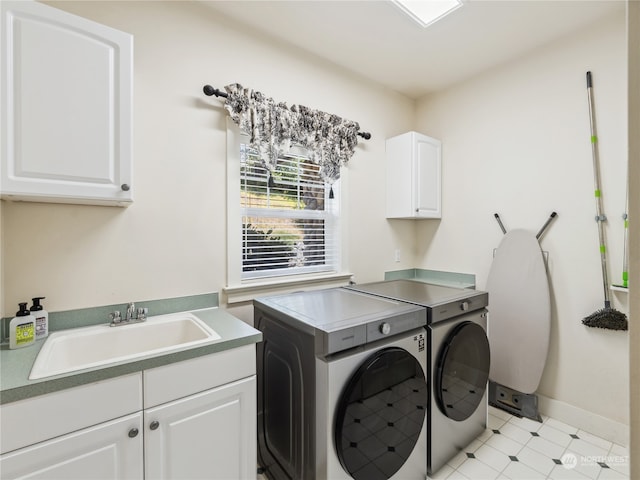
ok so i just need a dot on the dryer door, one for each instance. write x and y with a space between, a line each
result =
380 414
462 370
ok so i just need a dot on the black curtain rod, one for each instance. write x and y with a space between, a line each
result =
210 91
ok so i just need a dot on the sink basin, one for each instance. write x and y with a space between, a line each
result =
86 347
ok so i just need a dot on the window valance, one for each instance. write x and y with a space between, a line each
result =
273 127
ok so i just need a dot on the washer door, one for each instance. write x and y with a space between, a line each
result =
380 414
462 370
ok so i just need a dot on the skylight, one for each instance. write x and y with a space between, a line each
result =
426 12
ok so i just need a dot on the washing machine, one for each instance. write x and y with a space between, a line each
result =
342 389
458 361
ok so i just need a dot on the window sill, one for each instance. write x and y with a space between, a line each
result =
249 291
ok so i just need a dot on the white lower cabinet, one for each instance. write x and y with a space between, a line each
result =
209 435
112 450
197 420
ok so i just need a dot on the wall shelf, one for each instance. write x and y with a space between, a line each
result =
619 288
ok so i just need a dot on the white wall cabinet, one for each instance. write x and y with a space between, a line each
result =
198 421
67 85
413 176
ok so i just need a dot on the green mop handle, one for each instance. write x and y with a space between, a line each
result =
600 217
625 254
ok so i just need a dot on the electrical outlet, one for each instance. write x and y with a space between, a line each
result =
397 255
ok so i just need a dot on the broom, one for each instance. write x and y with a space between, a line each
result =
607 317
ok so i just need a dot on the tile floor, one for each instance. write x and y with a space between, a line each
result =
520 449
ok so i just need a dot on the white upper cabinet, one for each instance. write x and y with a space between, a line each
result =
414 174
67 86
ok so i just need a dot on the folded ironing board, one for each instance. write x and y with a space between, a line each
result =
519 312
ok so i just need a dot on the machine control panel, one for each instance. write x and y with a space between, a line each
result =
474 300
393 325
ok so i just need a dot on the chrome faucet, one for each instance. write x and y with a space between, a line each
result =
132 316
142 314
116 319
131 310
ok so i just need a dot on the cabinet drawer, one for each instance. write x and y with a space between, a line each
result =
167 383
36 419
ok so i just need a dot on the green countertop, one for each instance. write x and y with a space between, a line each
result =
15 365
446 279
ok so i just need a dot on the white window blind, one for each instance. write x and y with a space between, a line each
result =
289 224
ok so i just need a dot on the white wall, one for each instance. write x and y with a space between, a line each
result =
172 240
516 142
1 261
633 29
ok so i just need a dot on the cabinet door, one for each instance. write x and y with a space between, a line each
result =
414 164
67 99
106 451
209 435
427 177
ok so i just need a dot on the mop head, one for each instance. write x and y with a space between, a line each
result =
608 318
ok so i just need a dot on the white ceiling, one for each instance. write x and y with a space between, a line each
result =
376 40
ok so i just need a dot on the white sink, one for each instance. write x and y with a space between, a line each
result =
86 347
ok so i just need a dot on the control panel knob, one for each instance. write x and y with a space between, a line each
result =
385 328
464 306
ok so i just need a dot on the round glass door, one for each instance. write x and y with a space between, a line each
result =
380 414
462 371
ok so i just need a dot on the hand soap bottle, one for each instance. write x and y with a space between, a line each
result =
22 328
42 318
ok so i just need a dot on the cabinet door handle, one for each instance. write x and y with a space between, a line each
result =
154 425
133 433
125 187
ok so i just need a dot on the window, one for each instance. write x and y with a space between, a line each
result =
282 226
426 13
288 220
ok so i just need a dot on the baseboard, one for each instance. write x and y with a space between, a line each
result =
598 425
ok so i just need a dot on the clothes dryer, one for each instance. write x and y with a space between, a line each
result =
458 361
342 391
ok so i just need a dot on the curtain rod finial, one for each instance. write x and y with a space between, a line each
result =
209 91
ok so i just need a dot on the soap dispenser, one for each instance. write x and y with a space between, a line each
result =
22 328
42 318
